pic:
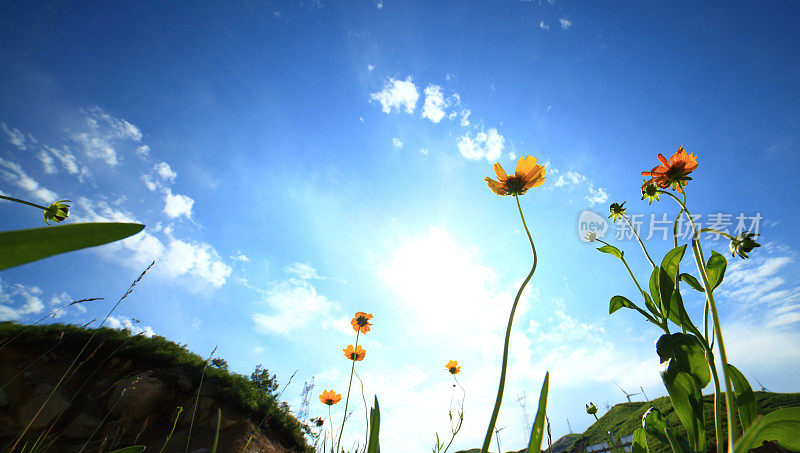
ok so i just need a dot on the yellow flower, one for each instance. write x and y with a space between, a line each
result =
330 397
673 172
453 367
356 354
527 175
361 321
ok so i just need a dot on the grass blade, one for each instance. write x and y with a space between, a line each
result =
537 432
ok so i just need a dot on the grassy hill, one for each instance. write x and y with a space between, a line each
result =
624 418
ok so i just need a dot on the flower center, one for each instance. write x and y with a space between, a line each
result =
514 184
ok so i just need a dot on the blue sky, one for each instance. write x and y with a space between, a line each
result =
296 162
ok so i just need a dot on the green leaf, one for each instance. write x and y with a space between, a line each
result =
648 302
693 282
672 260
678 315
687 399
131 449
715 268
639 442
686 354
661 286
780 426
745 399
374 426
618 302
538 425
610 249
24 246
654 423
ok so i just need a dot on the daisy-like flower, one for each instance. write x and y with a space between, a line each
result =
673 172
330 397
617 210
356 354
361 321
650 193
56 212
453 367
527 175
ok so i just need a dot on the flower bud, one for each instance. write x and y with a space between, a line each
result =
591 409
650 193
743 244
617 210
56 212
590 236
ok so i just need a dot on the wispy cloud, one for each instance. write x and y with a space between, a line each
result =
176 205
13 173
397 94
543 26
397 143
101 134
14 136
131 325
17 300
565 23
293 304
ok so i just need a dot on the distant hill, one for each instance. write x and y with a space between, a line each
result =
624 418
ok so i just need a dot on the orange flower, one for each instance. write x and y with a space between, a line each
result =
361 321
356 354
330 397
527 175
673 172
452 367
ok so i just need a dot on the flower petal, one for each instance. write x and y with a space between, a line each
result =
501 174
496 187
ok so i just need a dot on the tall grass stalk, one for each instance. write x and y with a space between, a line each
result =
197 398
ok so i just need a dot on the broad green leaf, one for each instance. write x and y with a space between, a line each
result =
745 399
131 449
24 246
678 315
373 445
654 423
672 260
639 443
780 426
648 302
618 302
691 281
687 400
538 425
661 286
715 268
686 354
610 249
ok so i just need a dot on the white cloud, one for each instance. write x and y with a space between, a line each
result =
543 26
149 183
565 23
570 177
68 161
143 151
397 143
102 134
465 117
370 67
423 151
397 94
379 5
18 176
197 259
15 136
125 323
176 205
240 257
17 300
165 172
486 145
434 105
47 161
293 304
596 196
303 271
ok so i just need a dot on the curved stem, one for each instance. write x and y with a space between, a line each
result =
613 444
701 268
22 201
490 430
636 233
460 415
347 400
717 395
330 419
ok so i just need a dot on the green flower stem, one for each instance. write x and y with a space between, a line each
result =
701 268
22 201
717 395
330 419
644 313
460 415
490 430
613 444
347 400
714 230
640 241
